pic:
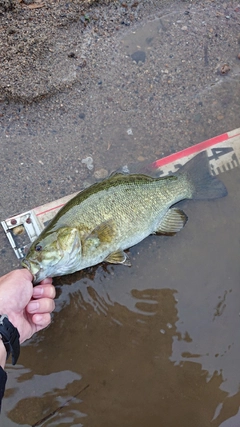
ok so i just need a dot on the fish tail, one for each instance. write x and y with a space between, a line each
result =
204 185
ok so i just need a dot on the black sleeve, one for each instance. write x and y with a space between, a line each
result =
3 380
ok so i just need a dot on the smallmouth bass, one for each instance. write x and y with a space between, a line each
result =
100 222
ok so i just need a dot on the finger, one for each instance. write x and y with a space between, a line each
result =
47 281
25 273
41 320
42 305
44 291
19 274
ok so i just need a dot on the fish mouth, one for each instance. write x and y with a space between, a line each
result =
34 267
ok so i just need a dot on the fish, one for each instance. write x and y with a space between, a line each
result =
110 216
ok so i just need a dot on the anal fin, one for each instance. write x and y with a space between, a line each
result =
118 257
172 222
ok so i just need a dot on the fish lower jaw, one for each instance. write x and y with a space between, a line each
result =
32 267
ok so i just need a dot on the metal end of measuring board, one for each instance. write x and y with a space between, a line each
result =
23 229
20 230
223 153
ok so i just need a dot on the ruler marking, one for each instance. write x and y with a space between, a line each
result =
213 172
235 160
218 152
195 149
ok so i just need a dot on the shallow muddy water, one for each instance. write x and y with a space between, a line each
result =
147 345
156 344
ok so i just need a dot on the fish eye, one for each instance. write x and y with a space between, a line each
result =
38 248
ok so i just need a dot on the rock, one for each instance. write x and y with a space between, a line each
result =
6 5
88 161
225 69
101 173
138 56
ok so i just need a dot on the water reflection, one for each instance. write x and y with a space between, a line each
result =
38 390
132 379
235 420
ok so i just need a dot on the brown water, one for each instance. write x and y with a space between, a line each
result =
156 344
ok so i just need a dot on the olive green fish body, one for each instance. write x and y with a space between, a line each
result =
105 219
132 205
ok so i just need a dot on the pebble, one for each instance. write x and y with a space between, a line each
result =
18 230
101 173
138 56
88 161
197 118
86 184
225 69
125 169
11 30
6 5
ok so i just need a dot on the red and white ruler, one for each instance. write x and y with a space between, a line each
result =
223 154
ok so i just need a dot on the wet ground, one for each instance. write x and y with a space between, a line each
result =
157 343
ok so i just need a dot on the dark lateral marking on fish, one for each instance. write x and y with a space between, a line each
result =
38 423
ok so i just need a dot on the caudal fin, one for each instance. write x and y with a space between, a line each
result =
205 186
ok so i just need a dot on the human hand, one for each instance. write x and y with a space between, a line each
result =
27 308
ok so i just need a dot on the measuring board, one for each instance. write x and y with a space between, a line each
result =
223 153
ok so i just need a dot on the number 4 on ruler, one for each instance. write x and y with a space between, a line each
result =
218 152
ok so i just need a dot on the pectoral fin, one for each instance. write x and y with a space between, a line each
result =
104 232
118 257
172 222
